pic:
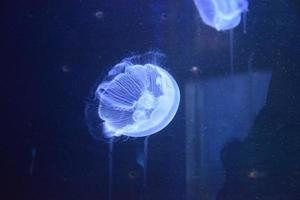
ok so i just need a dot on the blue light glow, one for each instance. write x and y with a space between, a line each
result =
221 14
137 99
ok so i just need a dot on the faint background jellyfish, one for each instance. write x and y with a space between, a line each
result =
138 98
66 68
223 15
99 14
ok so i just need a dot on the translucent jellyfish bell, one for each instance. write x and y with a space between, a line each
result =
139 98
221 14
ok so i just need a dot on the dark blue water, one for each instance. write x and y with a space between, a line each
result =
236 136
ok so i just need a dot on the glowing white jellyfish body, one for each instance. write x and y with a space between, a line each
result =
221 14
139 99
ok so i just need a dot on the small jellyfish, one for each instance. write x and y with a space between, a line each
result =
66 68
221 14
99 14
138 98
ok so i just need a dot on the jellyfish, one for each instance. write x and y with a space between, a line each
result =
138 98
221 14
224 15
